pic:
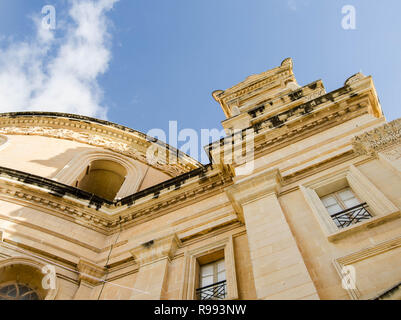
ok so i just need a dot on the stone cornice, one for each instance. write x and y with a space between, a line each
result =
90 272
253 83
153 250
65 201
252 188
378 139
99 133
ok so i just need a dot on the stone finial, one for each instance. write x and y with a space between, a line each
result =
286 62
356 77
216 93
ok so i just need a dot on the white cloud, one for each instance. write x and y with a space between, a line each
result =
46 73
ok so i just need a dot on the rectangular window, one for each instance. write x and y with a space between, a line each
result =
345 208
212 281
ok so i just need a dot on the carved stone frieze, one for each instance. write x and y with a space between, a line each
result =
379 139
131 144
394 154
316 94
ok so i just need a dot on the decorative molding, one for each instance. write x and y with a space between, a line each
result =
70 173
305 119
191 268
379 139
253 188
121 140
155 250
393 154
380 206
72 211
287 62
90 272
268 79
260 82
318 93
363 254
355 78
50 294
105 218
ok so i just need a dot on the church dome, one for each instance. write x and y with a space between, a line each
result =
81 151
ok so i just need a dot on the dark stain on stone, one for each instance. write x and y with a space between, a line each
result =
296 95
312 86
253 113
148 244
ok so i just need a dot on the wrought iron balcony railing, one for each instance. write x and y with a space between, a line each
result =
216 291
352 215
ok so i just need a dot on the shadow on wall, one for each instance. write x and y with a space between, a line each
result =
61 160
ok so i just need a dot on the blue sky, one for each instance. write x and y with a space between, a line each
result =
165 57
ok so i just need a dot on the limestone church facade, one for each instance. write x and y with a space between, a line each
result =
85 215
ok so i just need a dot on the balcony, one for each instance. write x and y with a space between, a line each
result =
351 216
216 291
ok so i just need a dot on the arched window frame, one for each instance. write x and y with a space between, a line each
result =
35 264
19 285
72 171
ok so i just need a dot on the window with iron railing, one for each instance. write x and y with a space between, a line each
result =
345 208
212 281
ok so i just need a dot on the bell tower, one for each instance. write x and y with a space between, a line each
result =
262 95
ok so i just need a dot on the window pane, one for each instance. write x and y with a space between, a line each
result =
336 208
349 199
221 276
346 194
206 281
351 202
220 266
329 201
331 204
207 270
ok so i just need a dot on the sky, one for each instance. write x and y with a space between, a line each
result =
143 63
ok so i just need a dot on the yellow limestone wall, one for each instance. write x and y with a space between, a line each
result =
276 240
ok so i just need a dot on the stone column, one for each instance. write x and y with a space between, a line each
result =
278 267
89 275
153 258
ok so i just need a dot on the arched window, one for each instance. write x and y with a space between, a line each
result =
22 279
86 167
103 178
17 291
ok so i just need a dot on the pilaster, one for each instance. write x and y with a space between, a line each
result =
278 266
90 275
153 258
